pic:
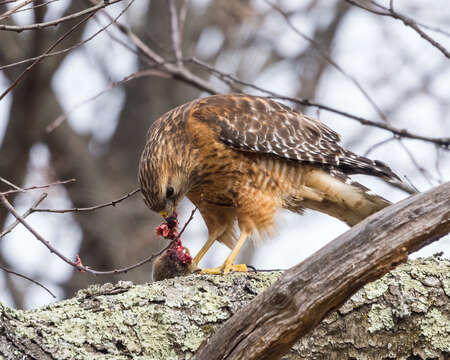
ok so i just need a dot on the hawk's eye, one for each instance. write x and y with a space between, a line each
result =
169 192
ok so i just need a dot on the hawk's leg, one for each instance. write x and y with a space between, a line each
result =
228 265
204 249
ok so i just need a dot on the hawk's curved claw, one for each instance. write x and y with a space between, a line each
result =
225 269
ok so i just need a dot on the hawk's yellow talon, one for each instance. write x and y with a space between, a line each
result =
223 270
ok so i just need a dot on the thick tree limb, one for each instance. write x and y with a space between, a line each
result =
306 293
402 316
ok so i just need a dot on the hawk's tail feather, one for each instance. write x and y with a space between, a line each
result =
356 164
343 198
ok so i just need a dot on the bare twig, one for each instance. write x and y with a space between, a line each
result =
17 189
147 259
91 10
14 9
409 22
426 175
437 165
29 279
182 17
45 55
188 77
4 2
378 144
24 216
175 32
78 264
35 6
91 208
60 39
61 118
175 71
46 243
328 58
443 142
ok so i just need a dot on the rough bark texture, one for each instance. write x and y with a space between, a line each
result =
404 315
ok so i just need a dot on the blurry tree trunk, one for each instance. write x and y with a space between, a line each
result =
312 62
404 315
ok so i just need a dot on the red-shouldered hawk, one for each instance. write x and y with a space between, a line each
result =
241 158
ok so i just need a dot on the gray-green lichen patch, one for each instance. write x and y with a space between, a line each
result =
380 318
375 289
436 328
164 320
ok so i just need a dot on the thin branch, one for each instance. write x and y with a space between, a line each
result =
138 74
45 55
179 73
90 11
147 259
328 58
409 22
36 6
46 243
175 32
24 216
426 175
4 2
9 271
78 264
14 9
443 142
437 165
378 144
182 17
60 39
91 208
35 187
7 182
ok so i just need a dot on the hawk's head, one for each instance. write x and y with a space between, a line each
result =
163 184
164 169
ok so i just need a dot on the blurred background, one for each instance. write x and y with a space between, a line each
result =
83 111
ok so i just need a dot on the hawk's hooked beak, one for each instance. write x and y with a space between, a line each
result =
165 214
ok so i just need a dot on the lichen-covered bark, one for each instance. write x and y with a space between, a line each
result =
402 315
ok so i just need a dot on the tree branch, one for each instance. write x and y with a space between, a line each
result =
175 32
409 22
35 62
77 263
90 208
9 271
324 53
38 26
305 294
35 187
24 216
444 142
